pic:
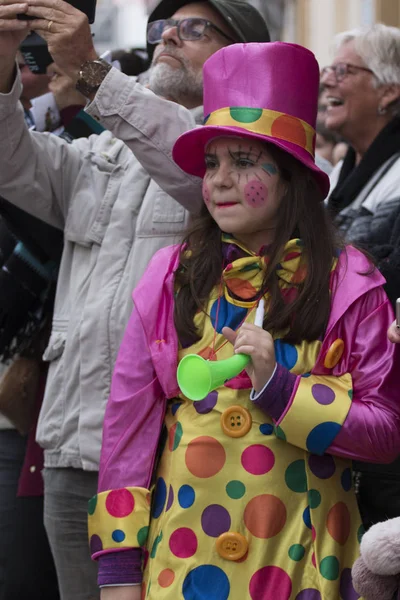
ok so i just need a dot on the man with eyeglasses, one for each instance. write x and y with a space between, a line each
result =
119 198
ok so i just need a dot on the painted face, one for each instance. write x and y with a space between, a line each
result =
242 189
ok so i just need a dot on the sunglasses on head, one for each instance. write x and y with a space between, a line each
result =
190 29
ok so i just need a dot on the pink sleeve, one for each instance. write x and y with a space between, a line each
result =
371 431
134 415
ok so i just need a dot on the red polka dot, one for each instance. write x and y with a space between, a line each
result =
338 523
183 542
313 533
120 503
205 456
265 516
258 459
314 563
270 583
166 578
291 129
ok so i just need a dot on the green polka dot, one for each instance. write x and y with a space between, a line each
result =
360 533
296 552
92 505
245 115
177 436
235 489
295 476
350 393
142 535
280 434
329 568
155 545
314 498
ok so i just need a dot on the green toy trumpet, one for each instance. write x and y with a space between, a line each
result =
198 377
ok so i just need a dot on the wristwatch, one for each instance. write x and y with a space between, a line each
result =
91 75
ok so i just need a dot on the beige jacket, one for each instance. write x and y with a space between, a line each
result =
104 193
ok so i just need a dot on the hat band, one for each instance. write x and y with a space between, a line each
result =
266 122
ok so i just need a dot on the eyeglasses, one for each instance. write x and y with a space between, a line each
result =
190 29
341 70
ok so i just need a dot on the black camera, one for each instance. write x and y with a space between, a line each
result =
86 6
36 53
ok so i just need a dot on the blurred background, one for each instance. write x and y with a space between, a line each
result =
312 23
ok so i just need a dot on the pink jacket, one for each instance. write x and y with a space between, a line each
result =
145 372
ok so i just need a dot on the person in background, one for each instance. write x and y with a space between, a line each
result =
133 61
363 92
118 197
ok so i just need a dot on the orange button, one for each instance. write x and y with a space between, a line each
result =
236 421
334 354
232 546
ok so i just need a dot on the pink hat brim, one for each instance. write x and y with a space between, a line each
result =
188 151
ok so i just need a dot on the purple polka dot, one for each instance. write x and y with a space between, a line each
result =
322 393
215 520
322 466
347 592
96 544
170 498
309 594
207 404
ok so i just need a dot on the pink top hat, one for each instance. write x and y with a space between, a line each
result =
267 91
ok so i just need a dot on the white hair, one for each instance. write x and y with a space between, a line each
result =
379 47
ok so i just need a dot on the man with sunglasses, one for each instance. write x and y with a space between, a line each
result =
119 198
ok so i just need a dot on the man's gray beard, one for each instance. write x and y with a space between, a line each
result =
181 85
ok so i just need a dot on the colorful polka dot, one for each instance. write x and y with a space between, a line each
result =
347 480
241 288
307 517
160 496
322 436
295 476
235 489
206 582
350 393
360 533
174 407
215 520
207 404
156 542
286 354
338 523
170 498
142 535
265 516
322 467
257 459
120 503
118 535
291 129
175 436
229 315
280 434
309 594
92 505
270 583
183 542
205 456
329 568
323 394
96 545
267 429
166 578
314 498
186 496
245 114
297 552
347 591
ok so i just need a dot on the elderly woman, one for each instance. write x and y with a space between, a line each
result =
363 92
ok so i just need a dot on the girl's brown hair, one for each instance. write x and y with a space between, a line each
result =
302 214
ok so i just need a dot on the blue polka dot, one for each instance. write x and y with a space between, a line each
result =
267 429
321 437
307 517
186 496
229 315
175 406
306 374
206 582
118 535
160 497
286 354
347 480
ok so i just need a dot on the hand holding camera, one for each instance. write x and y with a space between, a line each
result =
12 32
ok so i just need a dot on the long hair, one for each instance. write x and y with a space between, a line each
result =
302 214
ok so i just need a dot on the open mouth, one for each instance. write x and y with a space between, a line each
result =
333 101
225 204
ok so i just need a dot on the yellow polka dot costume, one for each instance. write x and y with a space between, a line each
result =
241 506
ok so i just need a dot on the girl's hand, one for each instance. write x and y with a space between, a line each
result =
394 333
125 592
259 345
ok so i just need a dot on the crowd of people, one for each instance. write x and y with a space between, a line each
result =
218 195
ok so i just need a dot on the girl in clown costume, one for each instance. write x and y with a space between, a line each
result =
247 493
